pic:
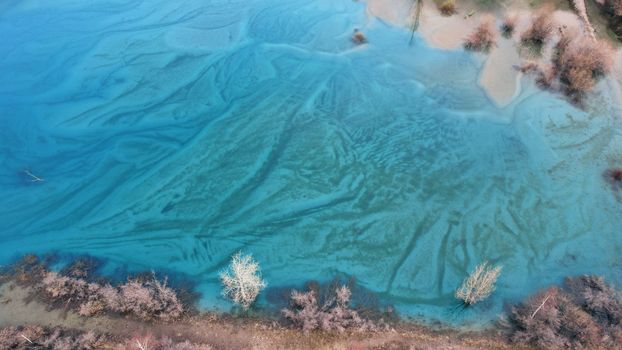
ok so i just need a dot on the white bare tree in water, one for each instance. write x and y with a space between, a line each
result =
242 280
479 285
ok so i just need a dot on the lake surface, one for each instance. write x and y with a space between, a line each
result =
171 134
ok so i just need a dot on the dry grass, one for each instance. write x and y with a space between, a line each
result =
586 313
484 37
358 37
479 285
333 314
580 63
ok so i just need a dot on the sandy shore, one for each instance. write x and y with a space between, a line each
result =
226 332
499 77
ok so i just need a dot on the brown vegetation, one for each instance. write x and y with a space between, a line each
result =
144 298
614 177
147 299
580 63
586 313
358 37
483 38
508 25
447 7
540 29
332 314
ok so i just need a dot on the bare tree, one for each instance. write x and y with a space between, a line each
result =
242 280
479 284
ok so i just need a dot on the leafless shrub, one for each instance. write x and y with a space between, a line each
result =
613 7
508 25
479 284
148 300
483 38
334 314
358 37
242 281
580 63
447 7
585 314
540 29
546 76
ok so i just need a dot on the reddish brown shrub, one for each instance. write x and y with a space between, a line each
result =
585 314
358 37
447 7
333 314
614 177
508 25
148 299
546 76
540 29
580 63
483 38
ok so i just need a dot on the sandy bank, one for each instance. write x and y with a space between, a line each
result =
499 77
225 332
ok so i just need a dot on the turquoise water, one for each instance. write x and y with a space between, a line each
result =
172 134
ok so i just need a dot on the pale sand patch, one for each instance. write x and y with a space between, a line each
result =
499 76
395 12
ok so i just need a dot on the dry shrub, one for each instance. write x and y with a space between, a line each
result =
508 25
333 314
37 337
148 299
585 314
580 63
483 38
541 28
614 177
546 76
479 285
447 7
358 37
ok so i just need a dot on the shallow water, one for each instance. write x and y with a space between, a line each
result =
172 134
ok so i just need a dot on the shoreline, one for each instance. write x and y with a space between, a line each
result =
226 331
499 77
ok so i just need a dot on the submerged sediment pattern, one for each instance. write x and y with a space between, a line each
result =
172 134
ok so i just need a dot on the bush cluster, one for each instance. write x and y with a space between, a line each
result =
147 299
580 63
584 313
540 29
483 38
309 313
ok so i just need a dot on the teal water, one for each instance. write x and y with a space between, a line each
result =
172 134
